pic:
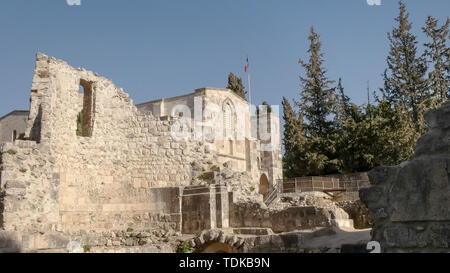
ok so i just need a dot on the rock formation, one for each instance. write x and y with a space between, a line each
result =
410 203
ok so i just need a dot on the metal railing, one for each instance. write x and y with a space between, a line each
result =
316 183
276 191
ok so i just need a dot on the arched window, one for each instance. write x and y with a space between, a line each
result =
228 121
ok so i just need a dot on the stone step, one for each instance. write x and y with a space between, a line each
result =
344 223
253 231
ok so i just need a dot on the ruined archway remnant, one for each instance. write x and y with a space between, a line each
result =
264 185
410 203
216 241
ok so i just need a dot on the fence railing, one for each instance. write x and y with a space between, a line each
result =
351 183
276 191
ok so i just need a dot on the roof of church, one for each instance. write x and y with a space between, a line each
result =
15 112
196 91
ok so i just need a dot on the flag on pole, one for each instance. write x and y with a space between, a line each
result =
246 69
247 65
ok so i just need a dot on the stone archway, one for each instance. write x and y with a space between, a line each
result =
264 185
217 241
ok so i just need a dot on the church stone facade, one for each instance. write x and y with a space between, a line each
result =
236 127
13 125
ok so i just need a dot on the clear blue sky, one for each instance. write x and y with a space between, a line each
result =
165 48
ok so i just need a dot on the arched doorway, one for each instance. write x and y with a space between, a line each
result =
264 186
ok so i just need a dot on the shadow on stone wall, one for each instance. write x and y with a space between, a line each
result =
358 212
2 193
8 244
2 206
35 133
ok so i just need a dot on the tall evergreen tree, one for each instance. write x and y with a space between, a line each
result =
316 105
235 84
398 119
293 141
316 96
345 129
394 134
437 53
331 134
343 107
354 134
405 84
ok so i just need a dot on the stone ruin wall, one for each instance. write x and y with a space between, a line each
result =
410 203
251 215
126 172
58 181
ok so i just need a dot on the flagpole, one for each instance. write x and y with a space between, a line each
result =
247 69
249 88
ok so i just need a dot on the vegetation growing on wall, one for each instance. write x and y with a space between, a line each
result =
80 124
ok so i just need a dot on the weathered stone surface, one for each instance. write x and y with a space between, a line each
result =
326 240
292 212
124 170
358 212
410 203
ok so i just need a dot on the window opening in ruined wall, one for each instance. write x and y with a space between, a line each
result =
85 119
228 119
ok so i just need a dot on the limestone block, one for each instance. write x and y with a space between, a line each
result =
410 202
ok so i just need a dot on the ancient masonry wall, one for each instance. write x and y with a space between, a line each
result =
410 203
294 218
103 180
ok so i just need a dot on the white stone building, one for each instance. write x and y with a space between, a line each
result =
13 125
230 127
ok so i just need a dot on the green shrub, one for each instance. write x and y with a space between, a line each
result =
11 152
130 229
87 248
79 124
184 247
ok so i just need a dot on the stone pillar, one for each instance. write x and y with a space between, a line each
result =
204 207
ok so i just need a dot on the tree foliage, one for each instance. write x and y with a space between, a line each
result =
80 124
437 53
316 103
235 84
328 133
